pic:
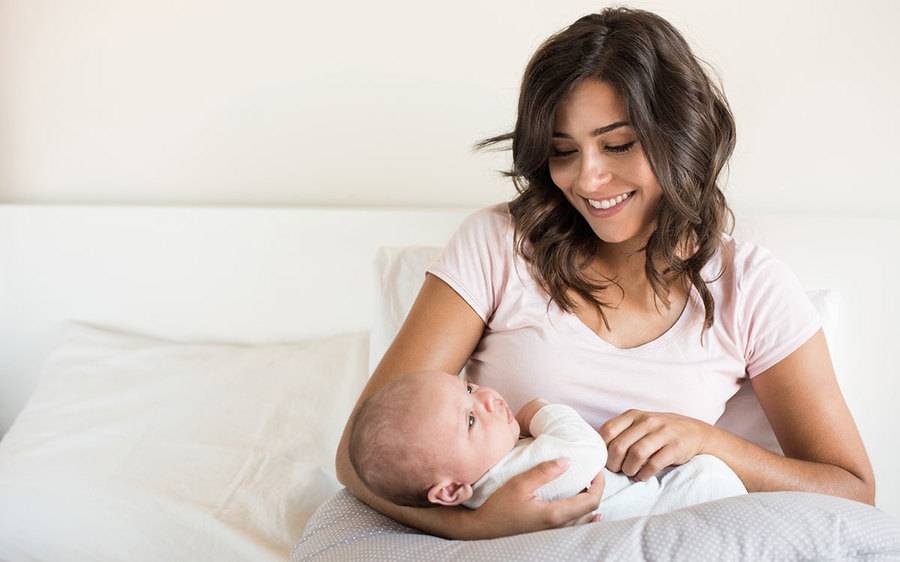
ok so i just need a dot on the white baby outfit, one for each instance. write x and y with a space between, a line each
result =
558 431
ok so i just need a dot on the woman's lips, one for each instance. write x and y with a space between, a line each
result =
606 213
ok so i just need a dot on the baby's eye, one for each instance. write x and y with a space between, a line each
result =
471 419
469 388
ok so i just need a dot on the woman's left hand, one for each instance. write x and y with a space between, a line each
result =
640 444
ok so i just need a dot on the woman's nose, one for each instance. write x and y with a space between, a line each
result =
594 174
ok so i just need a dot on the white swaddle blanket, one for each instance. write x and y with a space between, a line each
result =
558 431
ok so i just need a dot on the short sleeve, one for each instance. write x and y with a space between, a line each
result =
477 259
777 316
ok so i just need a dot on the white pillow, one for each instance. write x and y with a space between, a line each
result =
133 448
400 272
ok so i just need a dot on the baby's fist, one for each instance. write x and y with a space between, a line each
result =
527 412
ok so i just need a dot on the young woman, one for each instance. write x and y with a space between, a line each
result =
610 284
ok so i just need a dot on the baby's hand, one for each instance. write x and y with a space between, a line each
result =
527 412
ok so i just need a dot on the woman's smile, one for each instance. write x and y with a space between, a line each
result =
607 207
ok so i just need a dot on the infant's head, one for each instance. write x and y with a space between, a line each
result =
426 437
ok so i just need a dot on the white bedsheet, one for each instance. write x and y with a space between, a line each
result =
138 449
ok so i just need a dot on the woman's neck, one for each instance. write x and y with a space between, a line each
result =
625 262
624 265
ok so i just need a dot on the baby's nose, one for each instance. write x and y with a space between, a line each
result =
490 402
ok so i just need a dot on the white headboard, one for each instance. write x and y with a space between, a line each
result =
215 273
284 274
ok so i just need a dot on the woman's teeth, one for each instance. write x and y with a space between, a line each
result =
609 203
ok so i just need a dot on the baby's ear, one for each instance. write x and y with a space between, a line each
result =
447 492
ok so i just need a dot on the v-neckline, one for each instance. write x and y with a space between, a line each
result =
676 328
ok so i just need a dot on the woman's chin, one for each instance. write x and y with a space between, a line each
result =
613 236
629 234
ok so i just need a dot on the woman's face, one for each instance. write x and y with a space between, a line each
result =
600 166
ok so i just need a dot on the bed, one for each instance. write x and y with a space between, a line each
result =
174 381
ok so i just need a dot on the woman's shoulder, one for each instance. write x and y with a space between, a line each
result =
769 307
491 225
746 262
476 262
495 217
745 256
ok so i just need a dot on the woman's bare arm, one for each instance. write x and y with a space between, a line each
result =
440 333
823 450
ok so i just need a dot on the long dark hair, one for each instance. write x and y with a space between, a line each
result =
683 123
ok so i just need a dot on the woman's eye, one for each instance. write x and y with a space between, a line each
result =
471 419
620 148
469 388
614 149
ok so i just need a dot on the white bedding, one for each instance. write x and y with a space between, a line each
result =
140 449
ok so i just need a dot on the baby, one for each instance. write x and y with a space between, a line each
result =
430 438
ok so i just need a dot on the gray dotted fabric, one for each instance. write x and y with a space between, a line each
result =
760 526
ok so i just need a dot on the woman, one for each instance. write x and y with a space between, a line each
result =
610 284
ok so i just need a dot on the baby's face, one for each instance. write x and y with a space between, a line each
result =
471 427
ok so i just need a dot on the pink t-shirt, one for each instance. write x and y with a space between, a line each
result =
528 351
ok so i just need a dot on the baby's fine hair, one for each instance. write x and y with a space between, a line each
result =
389 461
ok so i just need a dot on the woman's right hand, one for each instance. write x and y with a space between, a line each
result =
514 508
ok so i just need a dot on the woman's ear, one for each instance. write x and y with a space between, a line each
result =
447 492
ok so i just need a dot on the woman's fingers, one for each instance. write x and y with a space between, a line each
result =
534 478
574 509
640 444
515 509
640 452
560 512
598 484
620 447
666 456
614 426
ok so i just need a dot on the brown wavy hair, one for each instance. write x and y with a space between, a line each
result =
683 123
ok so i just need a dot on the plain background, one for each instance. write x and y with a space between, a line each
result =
276 102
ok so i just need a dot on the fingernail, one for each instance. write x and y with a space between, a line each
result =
563 463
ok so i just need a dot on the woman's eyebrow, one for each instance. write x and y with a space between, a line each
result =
596 132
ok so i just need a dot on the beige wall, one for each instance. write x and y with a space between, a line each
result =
337 103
